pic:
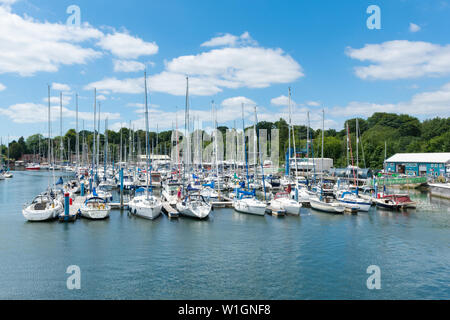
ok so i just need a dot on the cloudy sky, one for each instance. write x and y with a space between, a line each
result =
233 52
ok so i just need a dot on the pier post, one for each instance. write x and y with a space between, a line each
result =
121 188
296 194
66 206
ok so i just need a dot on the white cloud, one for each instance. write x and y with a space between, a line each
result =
60 86
282 101
128 66
56 100
401 59
126 46
101 98
28 46
212 71
313 103
133 86
2 87
230 40
24 113
432 104
414 27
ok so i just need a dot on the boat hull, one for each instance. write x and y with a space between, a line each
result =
244 207
41 215
199 213
95 214
326 207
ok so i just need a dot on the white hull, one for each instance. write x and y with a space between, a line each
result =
200 212
327 207
95 214
145 209
250 206
290 206
360 206
42 215
440 190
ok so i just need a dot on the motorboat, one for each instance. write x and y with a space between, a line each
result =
326 204
33 167
353 201
170 191
282 201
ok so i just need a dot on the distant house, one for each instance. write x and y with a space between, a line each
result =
419 164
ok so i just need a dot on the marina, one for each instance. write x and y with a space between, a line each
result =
126 257
236 151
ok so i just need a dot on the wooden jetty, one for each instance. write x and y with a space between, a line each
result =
275 212
222 204
76 205
116 205
170 211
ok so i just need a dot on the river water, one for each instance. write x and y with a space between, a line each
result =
229 256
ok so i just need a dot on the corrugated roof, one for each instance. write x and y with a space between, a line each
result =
442 157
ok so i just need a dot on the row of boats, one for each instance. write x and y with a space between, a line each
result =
194 197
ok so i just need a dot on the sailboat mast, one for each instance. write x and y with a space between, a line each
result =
289 128
243 134
78 138
186 124
146 133
323 135
307 136
357 144
98 135
49 133
61 130
95 136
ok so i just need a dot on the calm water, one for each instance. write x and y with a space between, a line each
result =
230 256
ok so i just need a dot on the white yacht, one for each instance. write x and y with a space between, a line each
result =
43 208
246 202
170 191
327 205
95 208
145 205
282 201
194 206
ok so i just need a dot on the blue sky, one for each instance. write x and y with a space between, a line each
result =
233 51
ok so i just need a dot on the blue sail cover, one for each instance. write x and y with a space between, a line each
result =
189 188
60 181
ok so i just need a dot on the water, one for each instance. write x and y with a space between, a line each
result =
229 256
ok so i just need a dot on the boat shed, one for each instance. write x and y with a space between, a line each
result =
419 164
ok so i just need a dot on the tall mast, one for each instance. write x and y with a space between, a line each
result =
98 135
357 144
186 124
78 138
245 153
289 128
323 134
146 133
121 146
348 147
307 136
293 134
61 131
255 143
49 133
95 136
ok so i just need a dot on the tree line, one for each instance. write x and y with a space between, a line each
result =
398 133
